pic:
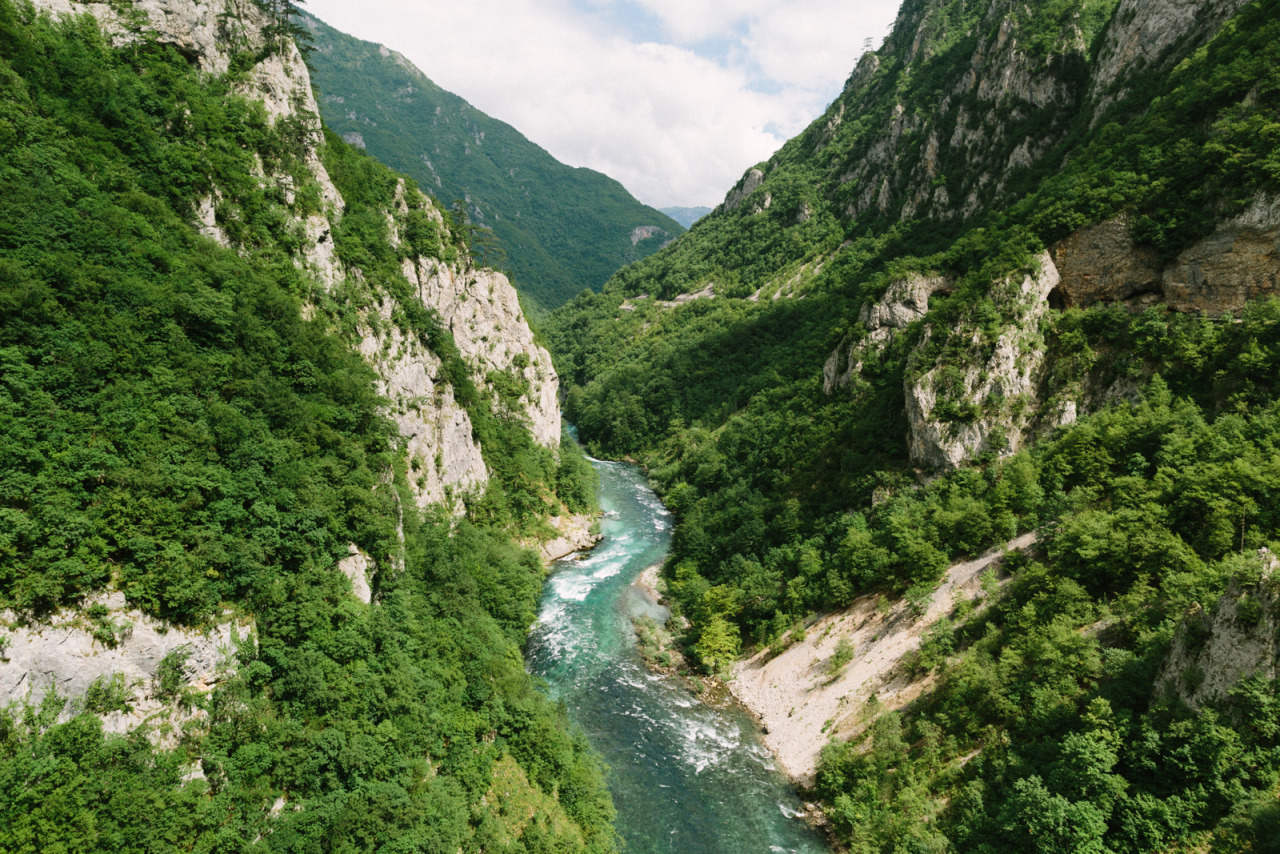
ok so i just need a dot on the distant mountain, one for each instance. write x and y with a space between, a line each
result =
686 216
563 229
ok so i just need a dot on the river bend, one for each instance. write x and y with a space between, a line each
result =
685 778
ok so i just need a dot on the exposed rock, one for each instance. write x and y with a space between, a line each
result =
996 119
645 232
904 302
706 292
358 567
1142 32
1103 263
1239 638
575 536
445 461
748 185
801 704
63 656
482 311
1238 263
283 84
996 383
192 28
207 216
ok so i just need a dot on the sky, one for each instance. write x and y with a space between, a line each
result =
674 98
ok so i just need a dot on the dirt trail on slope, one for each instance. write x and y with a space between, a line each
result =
798 703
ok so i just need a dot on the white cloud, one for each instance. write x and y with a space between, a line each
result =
676 121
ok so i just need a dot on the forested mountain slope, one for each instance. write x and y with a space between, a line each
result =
268 437
559 230
1021 276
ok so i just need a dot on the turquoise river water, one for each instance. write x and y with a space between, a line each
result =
685 777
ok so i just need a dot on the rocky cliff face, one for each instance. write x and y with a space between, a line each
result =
1144 35
482 311
959 146
905 301
1239 262
445 461
1238 638
978 394
993 381
478 306
997 385
109 658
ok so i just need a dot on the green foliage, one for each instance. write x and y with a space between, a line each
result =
1206 143
107 694
170 675
171 427
523 474
842 655
717 645
576 480
560 229
1043 729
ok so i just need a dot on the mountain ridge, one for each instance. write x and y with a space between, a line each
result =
563 229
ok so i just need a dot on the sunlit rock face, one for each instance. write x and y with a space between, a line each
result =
121 650
996 382
1237 638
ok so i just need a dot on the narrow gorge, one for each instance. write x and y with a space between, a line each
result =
951 436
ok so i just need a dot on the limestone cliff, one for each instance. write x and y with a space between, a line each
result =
1145 36
905 301
986 395
992 381
962 144
445 461
968 393
111 659
1238 638
477 308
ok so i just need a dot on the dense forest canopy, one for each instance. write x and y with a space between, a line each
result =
776 415
174 426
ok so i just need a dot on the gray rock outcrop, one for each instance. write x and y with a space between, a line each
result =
749 184
994 382
574 535
446 465
358 568
66 656
1142 34
904 302
482 311
1240 637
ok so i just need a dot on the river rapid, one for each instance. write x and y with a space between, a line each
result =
685 777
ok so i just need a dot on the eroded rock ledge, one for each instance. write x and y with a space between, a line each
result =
1238 263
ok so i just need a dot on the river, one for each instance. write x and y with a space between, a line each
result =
685 777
